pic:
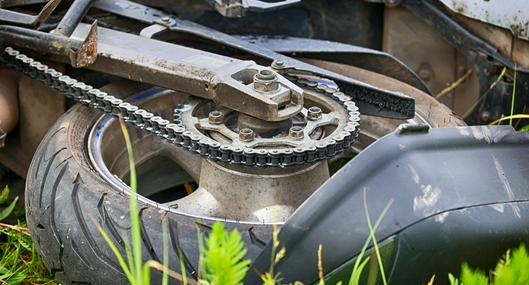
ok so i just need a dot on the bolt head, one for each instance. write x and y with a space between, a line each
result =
215 117
314 113
296 132
246 135
265 81
485 116
278 64
425 71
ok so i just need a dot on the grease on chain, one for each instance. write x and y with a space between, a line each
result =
178 135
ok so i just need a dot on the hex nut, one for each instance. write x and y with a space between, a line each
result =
246 135
265 81
314 113
296 132
215 117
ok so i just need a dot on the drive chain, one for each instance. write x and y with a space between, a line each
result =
178 135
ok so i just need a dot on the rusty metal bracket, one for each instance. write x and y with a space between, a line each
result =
86 54
12 17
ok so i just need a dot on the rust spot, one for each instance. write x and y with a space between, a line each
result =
87 53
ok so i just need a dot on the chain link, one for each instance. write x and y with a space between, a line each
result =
175 133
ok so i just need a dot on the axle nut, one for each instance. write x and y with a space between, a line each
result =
296 132
265 81
215 117
314 113
246 135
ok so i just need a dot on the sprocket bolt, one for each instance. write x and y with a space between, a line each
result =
314 113
265 81
296 132
278 64
215 117
246 135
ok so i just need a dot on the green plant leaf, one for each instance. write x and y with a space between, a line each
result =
7 211
513 269
223 257
473 277
4 195
21 214
355 276
25 242
453 280
524 128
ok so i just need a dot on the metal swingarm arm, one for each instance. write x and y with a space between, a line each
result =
225 80
371 100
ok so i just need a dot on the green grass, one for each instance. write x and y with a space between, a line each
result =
512 115
19 261
512 269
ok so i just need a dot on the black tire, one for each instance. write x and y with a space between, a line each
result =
65 199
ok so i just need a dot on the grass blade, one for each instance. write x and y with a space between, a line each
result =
182 267
454 85
158 266
118 255
357 269
513 95
368 240
485 94
134 215
518 116
128 252
355 277
375 243
7 211
4 196
320 265
165 234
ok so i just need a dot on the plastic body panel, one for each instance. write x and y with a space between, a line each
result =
458 194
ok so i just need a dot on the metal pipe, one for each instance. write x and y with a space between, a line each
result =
73 17
38 41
